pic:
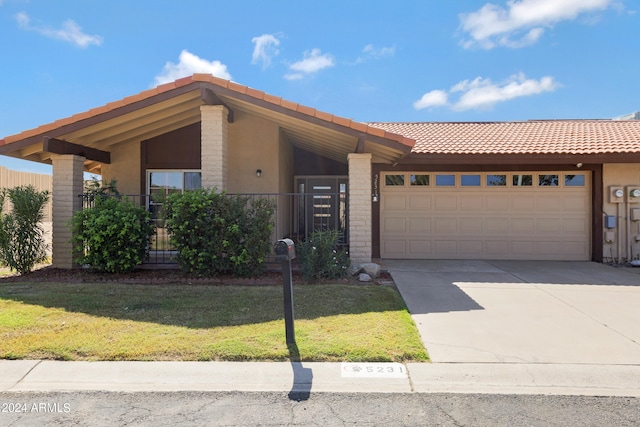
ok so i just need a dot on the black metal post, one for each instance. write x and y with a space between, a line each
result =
287 289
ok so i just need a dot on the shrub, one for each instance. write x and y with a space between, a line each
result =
113 235
22 242
320 257
219 233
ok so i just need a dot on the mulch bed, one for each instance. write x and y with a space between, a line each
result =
165 276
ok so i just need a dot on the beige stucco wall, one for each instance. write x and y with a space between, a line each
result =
124 167
256 143
253 144
624 247
285 223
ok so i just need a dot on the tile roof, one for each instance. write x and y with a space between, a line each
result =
530 137
225 84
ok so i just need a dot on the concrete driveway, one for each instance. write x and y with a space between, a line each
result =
523 311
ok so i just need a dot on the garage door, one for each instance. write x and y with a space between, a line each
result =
510 215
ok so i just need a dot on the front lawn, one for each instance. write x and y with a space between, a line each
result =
121 321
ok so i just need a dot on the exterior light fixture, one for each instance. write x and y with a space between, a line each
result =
259 173
579 165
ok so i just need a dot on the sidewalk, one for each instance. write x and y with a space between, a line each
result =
483 378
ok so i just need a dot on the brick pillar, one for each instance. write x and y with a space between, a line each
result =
359 207
213 145
68 180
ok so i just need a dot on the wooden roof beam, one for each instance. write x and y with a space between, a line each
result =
57 146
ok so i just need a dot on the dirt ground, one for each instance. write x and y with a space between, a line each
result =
164 276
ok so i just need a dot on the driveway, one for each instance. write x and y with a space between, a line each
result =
523 311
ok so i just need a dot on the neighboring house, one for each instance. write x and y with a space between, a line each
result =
41 182
518 190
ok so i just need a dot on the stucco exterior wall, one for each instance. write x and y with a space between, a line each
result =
624 246
253 145
124 167
286 186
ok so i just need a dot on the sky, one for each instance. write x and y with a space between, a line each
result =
371 61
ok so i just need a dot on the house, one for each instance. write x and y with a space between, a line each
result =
519 190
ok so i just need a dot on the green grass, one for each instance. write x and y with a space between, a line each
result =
107 321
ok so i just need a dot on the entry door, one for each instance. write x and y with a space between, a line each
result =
324 204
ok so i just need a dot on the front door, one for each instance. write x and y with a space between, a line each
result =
323 204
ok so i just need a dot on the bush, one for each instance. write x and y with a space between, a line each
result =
321 258
219 233
113 235
22 243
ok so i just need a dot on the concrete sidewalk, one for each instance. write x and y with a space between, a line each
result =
484 378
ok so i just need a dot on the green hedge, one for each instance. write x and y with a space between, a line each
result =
219 233
113 235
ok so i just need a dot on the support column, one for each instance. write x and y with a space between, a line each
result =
360 233
68 180
213 146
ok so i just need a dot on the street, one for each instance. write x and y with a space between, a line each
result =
316 409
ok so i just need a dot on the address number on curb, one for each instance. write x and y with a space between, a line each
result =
373 370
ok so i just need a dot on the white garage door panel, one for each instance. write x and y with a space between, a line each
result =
507 222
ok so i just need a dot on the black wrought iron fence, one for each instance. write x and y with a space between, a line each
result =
296 216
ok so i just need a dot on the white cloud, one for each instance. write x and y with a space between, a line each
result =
522 22
188 65
265 48
70 32
482 93
435 98
372 52
294 76
313 62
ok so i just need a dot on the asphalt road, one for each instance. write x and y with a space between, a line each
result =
318 409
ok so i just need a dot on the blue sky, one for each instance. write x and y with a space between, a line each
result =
413 61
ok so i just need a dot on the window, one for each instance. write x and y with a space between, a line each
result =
192 180
419 179
548 180
522 180
394 180
470 180
167 182
161 184
445 180
496 180
574 180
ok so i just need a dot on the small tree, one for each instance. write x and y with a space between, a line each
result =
113 235
22 243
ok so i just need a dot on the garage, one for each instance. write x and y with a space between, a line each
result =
486 215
